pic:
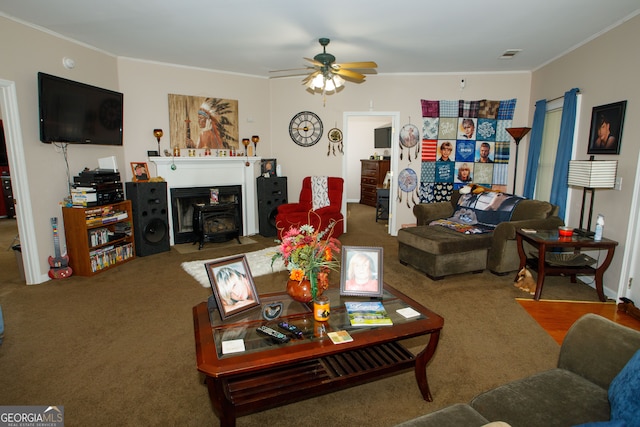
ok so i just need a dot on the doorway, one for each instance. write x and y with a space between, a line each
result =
358 127
19 181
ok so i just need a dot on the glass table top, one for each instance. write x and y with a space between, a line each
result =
243 326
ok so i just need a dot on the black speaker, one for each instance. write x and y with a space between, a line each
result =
272 192
150 216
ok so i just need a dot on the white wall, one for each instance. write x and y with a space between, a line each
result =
25 52
605 71
400 93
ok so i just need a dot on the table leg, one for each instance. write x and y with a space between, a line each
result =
600 273
523 256
222 407
542 250
421 365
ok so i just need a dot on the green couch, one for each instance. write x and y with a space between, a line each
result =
439 251
594 351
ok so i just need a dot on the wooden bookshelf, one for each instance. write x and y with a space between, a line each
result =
99 237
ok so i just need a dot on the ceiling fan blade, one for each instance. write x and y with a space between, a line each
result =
290 69
359 65
314 62
349 74
310 77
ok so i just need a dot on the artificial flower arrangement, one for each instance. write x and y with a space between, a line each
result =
309 255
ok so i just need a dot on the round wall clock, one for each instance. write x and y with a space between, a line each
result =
305 128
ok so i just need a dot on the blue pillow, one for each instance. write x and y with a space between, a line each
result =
624 391
618 423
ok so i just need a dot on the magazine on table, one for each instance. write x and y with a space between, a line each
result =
368 313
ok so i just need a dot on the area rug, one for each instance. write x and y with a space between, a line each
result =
259 264
190 248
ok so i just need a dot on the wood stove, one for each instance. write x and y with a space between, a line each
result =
196 218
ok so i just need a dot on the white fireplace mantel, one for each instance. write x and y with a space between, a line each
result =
185 172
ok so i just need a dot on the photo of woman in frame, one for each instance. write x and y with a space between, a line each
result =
361 271
232 285
606 128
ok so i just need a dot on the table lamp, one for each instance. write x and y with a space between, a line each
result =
591 174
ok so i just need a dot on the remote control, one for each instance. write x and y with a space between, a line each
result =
292 329
278 337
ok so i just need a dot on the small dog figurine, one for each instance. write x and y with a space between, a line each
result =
524 281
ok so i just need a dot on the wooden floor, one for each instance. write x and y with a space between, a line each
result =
557 316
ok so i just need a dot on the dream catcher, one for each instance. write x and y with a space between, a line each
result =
408 183
409 137
335 138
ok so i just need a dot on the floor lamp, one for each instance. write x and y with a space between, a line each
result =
517 134
591 174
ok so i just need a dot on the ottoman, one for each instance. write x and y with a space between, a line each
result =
438 251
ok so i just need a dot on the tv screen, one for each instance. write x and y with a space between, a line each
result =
78 113
382 137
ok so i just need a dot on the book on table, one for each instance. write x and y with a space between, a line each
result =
368 313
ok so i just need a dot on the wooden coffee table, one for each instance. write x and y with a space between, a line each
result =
268 375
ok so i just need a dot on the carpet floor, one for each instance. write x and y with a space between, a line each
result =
117 349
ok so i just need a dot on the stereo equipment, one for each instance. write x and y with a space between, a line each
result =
272 192
150 216
96 188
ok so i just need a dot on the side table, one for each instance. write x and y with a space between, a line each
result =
545 241
382 203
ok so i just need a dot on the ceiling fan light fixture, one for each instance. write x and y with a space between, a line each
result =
326 83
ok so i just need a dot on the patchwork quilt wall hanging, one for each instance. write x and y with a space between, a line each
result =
464 142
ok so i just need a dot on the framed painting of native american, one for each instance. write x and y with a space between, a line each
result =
203 122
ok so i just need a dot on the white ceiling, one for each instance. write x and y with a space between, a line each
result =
257 36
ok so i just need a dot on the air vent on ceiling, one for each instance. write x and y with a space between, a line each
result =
510 53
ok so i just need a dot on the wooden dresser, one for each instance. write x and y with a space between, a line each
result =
372 175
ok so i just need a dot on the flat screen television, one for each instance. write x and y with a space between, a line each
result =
382 137
77 113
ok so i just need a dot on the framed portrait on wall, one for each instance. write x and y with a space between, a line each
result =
361 273
203 122
606 128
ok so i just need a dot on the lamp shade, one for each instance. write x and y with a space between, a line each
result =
518 133
592 173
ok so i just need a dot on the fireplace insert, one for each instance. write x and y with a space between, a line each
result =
184 200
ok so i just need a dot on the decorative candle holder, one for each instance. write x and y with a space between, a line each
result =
158 134
255 139
245 142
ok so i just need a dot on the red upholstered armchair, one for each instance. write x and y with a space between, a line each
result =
301 213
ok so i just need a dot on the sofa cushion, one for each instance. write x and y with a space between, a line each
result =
624 391
532 209
557 394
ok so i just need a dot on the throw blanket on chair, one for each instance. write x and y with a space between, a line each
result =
480 213
319 192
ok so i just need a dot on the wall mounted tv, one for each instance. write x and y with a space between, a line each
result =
78 113
382 137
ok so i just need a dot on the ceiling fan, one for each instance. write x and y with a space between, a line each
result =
327 75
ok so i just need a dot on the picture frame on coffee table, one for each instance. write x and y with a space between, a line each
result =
361 273
232 285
